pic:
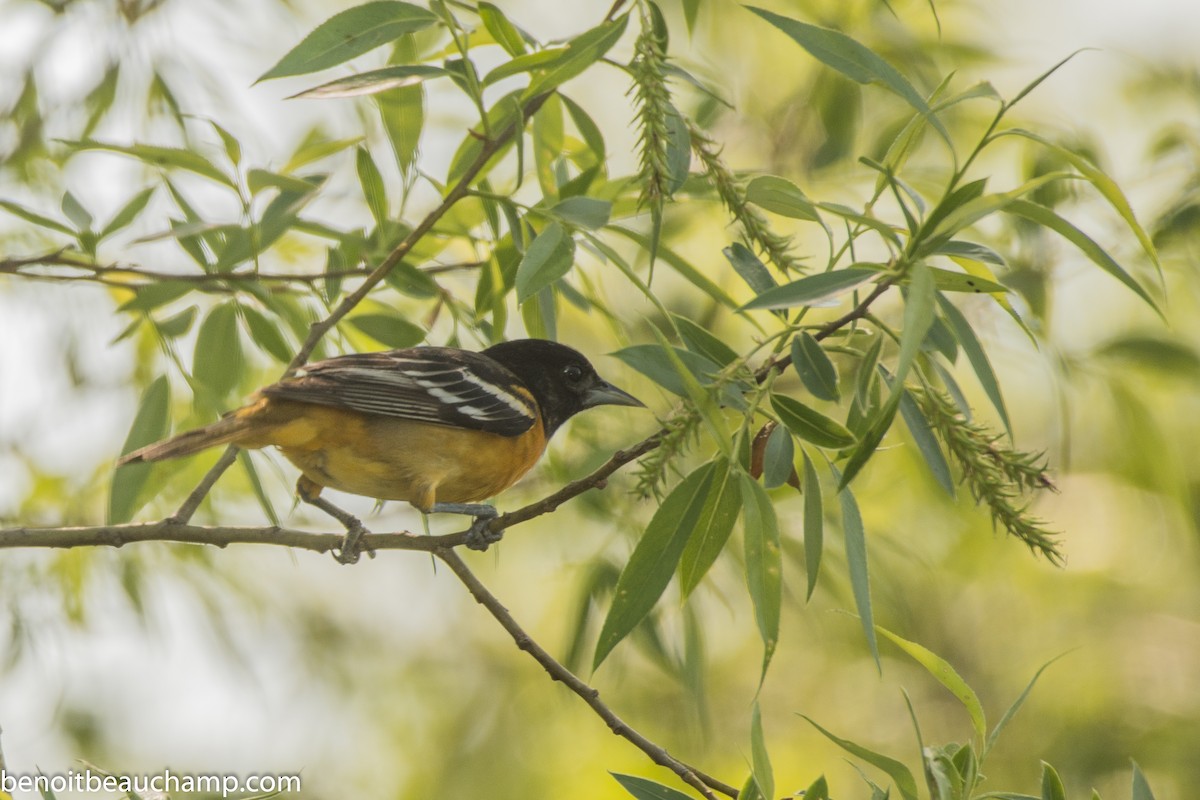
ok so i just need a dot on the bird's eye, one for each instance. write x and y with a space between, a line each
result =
573 373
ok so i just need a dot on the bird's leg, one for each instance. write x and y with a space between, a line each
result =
480 535
352 542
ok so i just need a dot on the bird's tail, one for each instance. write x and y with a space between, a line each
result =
227 430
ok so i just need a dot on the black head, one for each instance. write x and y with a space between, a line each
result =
561 379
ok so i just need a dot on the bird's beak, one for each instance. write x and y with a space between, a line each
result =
605 394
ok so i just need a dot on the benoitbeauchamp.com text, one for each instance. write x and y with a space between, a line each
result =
165 783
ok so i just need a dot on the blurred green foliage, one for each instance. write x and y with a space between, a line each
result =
792 227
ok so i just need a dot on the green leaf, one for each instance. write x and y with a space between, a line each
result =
34 217
764 567
584 50
652 361
949 281
810 424
852 59
371 181
927 443
260 494
128 213
548 258
817 790
1103 183
1141 787
760 763
391 330
816 370
178 324
748 265
403 113
1052 785
217 361
267 334
679 150
702 342
315 148
76 212
153 295
350 34
856 562
976 355
149 425
372 82
1169 357
900 774
781 196
549 139
779 457
879 427
654 559
584 212
526 62
503 31
1015 707
712 531
957 248
1086 245
813 289
164 157
946 675
918 316
646 789
814 524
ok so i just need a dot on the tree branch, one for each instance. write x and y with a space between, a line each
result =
558 672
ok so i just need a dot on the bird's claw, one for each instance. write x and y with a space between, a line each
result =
480 535
353 545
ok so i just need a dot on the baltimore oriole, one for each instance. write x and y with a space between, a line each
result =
438 427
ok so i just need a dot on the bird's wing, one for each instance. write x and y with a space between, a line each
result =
437 385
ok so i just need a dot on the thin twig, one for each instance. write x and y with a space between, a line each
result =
558 672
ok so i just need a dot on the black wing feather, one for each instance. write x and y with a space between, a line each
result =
438 385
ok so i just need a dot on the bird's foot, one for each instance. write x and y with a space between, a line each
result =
480 535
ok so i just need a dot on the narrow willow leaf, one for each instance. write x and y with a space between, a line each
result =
816 370
817 790
372 82
814 524
1103 183
946 675
900 774
978 358
153 295
651 360
548 143
760 763
856 562
128 213
548 258
593 137
813 288
654 559
391 330
582 51
177 325
750 268
1086 245
1052 785
701 341
713 529
764 565
703 401
1015 707
32 216
504 32
267 334
918 316
149 425
779 457
866 371
781 196
264 502
646 789
949 281
526 62
957 248
882 228
810 424
852 59
686 270
585 212
165 157
349 34
1141 787
927 443
217 362
880 425
679 150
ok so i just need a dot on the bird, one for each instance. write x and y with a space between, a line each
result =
441 428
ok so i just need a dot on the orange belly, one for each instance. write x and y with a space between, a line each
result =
395 459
